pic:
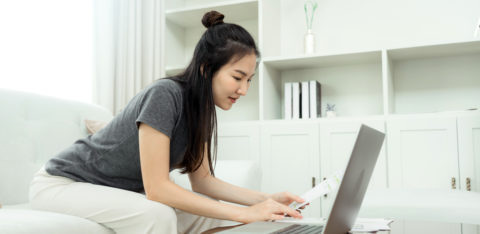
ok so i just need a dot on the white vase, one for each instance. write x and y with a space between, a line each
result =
309 43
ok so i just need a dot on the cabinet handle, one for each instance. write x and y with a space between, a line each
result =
469 187
313 181
325 196
454 184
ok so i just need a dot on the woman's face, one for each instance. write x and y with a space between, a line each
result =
233 80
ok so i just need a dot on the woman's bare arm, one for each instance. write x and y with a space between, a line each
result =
203 182
154 161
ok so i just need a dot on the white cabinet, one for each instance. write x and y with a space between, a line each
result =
239 141
469 158
337 138
469 151
290 159
422 153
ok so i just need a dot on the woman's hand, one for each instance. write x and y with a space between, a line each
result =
268 210
286 198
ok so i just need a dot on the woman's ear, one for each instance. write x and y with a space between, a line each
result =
202 70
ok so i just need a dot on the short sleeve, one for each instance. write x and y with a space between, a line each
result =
159 108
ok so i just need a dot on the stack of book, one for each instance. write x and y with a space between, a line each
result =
302 100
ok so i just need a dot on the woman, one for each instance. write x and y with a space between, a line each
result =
119 176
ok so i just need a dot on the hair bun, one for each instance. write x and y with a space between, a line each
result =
212 18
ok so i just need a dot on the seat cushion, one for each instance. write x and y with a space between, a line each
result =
33 221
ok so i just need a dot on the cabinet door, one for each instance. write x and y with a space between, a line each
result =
336 144
422 153
469 155
238 141
290 159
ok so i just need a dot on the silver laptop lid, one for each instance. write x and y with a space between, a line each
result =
355 181
350 193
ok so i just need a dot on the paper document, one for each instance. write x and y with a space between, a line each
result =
319 190
371 225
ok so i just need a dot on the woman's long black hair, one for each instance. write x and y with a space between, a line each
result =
219 45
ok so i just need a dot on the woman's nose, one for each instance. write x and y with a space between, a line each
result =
243 89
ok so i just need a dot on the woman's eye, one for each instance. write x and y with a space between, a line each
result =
249 80
236 78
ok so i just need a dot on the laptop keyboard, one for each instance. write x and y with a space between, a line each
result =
303 229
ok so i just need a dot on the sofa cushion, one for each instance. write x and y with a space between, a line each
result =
31 221
35 128
94 126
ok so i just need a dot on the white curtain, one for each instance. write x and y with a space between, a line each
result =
128 43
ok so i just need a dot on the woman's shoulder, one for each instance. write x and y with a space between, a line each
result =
166 84
165 88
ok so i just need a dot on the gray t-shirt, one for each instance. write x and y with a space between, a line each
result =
111 156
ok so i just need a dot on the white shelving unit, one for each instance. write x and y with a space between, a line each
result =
174 70
392 86
386 81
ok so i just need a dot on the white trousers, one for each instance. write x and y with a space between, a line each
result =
120 210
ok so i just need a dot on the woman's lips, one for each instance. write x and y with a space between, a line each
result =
233 100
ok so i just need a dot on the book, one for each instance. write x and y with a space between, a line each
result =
305 101
315 99
296 91
288 100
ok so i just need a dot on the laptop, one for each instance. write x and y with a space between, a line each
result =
349 196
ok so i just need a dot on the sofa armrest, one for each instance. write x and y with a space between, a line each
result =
243 173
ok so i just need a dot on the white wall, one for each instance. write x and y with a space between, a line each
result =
349 25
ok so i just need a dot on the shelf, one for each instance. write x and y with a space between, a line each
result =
435 79
316 61
183 27
431 115
174 70
234 11
353 82
432 51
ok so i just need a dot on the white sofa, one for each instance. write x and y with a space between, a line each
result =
33 129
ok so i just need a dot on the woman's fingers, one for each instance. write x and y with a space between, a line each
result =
275 210
291 212
276 217
295 197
